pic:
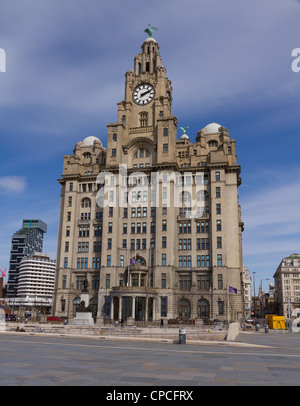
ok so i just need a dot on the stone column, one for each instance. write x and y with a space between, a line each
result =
112 309
147 308
120 307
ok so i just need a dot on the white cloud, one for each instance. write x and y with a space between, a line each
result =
12 184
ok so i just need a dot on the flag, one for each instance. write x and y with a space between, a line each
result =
3 273
132 261
232 290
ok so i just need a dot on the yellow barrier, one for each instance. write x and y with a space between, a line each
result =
275 322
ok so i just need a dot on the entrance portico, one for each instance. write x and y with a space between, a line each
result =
135 304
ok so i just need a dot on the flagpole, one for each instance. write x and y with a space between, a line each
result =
228 304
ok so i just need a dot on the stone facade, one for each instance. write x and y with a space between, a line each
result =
287 286
159 237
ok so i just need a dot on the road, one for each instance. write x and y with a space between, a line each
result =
27 360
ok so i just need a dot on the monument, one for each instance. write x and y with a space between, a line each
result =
84 314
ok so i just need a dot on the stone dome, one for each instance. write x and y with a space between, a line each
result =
212 128
89 141
184 137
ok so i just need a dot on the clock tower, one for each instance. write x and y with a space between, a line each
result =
145 115
167 242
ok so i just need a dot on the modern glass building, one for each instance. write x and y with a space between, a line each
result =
25 242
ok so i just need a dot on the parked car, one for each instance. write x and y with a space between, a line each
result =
54 318
11 317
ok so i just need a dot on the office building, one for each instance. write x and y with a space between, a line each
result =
287 285
158 234
25 242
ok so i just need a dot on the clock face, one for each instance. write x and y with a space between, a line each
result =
143 94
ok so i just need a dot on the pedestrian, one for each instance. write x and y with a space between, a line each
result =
122 322
161 323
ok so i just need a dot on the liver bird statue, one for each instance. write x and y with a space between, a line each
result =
150 30
184 129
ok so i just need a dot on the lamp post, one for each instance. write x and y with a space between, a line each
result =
254 297
261 304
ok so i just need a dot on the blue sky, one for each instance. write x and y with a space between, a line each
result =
229 62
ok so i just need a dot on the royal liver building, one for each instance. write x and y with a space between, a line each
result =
151 226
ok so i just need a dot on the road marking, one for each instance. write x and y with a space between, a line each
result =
177 350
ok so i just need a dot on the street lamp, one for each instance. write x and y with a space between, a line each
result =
254 297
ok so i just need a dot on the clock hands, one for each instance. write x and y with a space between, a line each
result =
144 94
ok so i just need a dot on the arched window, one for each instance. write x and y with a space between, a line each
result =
86 202
203 309
184 309
141 153
87 155
76 304
141 261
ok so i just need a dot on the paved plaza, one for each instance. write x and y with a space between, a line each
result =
254 359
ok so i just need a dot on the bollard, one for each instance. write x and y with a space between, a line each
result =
182 336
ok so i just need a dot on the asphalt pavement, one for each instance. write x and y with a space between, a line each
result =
256 359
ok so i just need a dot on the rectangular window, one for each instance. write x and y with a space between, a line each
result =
165 147
163 280
107 281
219 242
220 262
221 308
153 227
95 282
109 243
185 282
163 259
164 225
69 216
218 192
218 208
108 260
203 282
114 152
96 263
110 227
138 244
132 244
125 228
124 245
132 228
217 176
220 281
219 225
71 187
65 263
164 242
64 282
163 306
